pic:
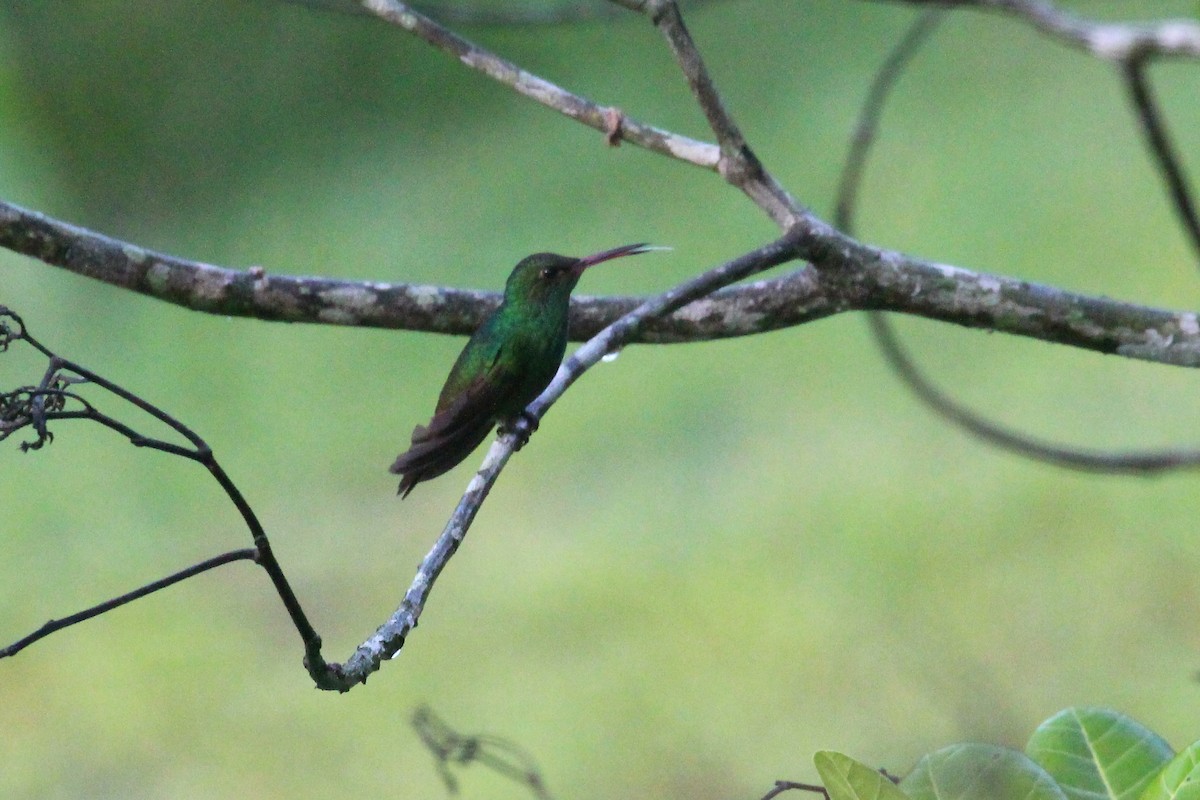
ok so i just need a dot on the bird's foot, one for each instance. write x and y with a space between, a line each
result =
523 425
613 118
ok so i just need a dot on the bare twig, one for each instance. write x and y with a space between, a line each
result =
501 755
1154 128
1070 457
624 330
897 356
532 12
36 406
867 126
701 154
738 165
786 786
1116 42
55 625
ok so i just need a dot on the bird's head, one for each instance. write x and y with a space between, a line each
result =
550 278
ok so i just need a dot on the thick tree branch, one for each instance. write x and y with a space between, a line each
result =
858 276
745 310
851 276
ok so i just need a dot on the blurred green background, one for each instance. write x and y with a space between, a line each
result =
714 559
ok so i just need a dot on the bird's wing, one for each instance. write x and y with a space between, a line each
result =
475 402
457 428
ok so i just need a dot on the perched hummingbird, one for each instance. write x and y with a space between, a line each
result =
507 362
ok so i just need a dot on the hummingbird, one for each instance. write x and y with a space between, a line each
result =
505 364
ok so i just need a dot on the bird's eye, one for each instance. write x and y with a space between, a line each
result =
546 273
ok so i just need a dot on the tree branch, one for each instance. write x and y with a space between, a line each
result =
1154 129
851 276
738 164
1046 313
861 277
867 126
1111 41
55 625
1135 462
35 406
890 345
844 275
701 154
786 786
195 285
505 757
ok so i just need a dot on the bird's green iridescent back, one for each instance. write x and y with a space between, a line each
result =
519 347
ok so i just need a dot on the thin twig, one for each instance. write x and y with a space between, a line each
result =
1070 457
55 625
701 154
786 786
531 12
898 357
666 17
1154 129
29 407
1111 41
867 126
624 330
501 755
738 165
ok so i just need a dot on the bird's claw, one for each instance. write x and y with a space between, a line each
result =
613 119
522 426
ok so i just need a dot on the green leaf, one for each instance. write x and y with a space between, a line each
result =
847 779
1178 780
979 772
1098 753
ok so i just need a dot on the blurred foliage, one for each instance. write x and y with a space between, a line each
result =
714 559
1088 753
